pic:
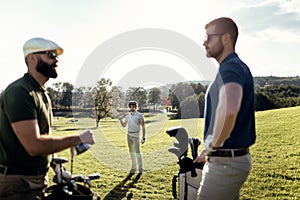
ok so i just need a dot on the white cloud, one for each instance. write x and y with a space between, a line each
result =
80 27
272 14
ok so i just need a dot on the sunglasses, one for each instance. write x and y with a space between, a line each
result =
132 106
208 36
51 55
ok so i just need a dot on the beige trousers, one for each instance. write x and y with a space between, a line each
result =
223 177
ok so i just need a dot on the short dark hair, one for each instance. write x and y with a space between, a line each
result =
132 103
225 25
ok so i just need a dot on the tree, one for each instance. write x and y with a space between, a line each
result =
179 92
262 101
154 96
138 94
66 100
201 103
56 95
192 107
83 97
103 99
88 98
77 97
198 88
52 94
189 108
118 99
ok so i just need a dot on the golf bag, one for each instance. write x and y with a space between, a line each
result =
68 186
190 173
69 191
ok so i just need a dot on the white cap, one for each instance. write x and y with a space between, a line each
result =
39 45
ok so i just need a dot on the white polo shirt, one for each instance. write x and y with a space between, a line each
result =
134 120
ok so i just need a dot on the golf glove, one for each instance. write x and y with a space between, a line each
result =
87 137
143 140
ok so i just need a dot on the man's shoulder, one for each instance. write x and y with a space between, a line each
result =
139 113
16 88
16 83
21 83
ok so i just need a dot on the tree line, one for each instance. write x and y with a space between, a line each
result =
185 100
102 100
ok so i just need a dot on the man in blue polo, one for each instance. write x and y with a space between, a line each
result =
229 128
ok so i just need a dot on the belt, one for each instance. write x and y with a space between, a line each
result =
133 132
229 152
27 172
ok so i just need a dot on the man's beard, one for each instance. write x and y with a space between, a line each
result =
46 69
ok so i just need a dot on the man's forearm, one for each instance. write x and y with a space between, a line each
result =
227 110
224 124
49 144
144 131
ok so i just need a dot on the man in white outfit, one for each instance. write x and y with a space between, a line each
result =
134 120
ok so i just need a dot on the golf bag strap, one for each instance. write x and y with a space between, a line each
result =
174 181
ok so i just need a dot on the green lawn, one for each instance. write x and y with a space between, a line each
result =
276 154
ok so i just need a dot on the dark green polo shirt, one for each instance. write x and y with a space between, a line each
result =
23 99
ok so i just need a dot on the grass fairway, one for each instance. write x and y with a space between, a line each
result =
276 154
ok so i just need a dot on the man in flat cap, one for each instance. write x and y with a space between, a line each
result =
26 144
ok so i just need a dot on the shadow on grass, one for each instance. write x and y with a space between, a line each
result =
75 129
120 190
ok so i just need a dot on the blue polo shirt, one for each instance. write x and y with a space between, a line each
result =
233 69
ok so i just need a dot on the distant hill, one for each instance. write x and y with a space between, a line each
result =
262 81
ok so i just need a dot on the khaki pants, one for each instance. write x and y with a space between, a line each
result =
134 149
20 187
223 177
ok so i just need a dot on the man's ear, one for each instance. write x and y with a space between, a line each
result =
31 59
227 39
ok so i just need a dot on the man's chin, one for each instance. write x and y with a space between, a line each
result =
53 74
208 55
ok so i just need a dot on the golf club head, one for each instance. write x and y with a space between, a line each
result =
176 144
59 160
78 178
94 176
181 135
176 151
173 131
194 143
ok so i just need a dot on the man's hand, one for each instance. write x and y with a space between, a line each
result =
201 158
143 140
87 137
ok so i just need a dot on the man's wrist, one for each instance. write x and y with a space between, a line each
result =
209 148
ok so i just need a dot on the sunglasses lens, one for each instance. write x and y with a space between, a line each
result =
52 55
206 38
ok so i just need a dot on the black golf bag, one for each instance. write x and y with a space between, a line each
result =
68 186
68 191
190 173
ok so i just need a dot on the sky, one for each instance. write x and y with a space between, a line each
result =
119 35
